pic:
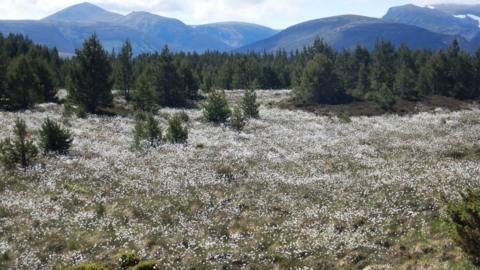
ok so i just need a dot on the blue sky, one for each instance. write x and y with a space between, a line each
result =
274 13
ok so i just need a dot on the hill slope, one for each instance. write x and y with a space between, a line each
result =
348 31
444 19
236 34
148 32
85 12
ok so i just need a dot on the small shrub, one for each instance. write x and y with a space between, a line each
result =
237 120
19 151
250 105
216 109
464 152
183 116
89 266
68 110
176 132
54 138
465 216
147 130
127 260
81 113
225 172
147 265
344 117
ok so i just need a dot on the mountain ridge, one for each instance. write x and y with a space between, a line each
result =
431 27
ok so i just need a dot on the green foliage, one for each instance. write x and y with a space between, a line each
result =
250 105
147 265
319 83
160 84
20 89
344 117
183 116
216 109
145 93
127 260
20 150
382 70
147 129
90 77
237 119
465 216
124 69
26 73
54 138
81 113
89 266
176 131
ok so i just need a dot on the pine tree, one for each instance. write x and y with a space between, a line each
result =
187 79
44 85
319 83
147 128
216 107
405 74
249 104
176 132
3 77
20 91
237 119
54 138
144 96
125 69
170 92
20 150
90 76
382 70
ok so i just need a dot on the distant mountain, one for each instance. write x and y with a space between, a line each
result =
456 9
431 27
85 13
148 32
445 19
236 34
348 31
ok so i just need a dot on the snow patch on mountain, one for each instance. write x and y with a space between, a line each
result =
471 16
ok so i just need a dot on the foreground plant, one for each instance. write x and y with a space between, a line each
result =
250 105
177 132
216 109
20 150
237 120
147 129
54 138
465 216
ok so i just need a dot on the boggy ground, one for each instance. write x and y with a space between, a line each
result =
293 190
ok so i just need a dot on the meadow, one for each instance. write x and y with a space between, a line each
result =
293 190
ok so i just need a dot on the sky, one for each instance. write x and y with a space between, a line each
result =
277 14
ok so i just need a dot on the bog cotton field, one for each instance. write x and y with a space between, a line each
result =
293 190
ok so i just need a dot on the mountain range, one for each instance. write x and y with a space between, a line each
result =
431 27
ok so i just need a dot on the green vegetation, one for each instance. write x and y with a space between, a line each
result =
216 109
177 132
127 260
250 105
20 150
90 77
465 216
237 119
54 138
147 129
124 70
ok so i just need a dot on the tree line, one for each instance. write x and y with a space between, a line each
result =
31 74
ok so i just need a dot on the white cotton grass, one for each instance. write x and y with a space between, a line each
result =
302 183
